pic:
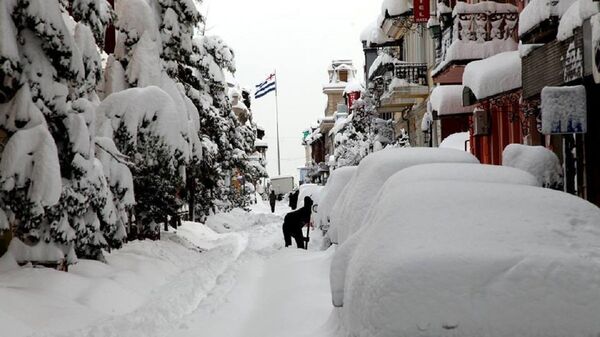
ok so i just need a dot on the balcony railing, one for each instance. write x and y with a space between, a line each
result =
485 33
411 72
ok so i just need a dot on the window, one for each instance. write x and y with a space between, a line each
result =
343 74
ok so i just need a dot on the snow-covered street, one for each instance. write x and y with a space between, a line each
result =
239 282
268 291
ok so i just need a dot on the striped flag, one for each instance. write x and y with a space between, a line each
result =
270 84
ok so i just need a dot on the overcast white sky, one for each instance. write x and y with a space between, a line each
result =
299 39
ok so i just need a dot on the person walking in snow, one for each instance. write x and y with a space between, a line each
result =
272 201
294 222
294 199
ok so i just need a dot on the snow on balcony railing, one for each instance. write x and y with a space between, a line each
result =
478 31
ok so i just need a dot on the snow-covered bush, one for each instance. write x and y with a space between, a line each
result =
470 259
537 160
371 175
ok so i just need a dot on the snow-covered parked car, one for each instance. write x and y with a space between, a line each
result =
451 258
309 190
350 210
338 179
466 172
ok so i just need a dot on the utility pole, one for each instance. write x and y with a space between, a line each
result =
277 123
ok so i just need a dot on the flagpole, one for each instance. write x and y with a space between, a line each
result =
277 122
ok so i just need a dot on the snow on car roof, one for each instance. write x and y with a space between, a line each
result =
476 259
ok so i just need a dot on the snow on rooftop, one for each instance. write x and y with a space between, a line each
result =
483 7
493 75
447 100
538 11
395 7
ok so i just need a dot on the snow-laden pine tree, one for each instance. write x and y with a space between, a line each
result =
51 67
207 87
146 111
363 133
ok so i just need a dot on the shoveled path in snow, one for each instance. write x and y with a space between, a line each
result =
228 278
267 292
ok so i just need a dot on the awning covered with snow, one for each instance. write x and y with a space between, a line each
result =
494 75
538 11
447 100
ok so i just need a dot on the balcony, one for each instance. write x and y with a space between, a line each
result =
474 32
400 84
415 73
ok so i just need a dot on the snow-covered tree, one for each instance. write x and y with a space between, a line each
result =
363 133
51 68
161 139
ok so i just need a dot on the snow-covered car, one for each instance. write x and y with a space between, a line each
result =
466 172
471 259
338 179
309 190
350 210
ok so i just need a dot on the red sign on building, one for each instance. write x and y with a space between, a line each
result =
421 10
352 97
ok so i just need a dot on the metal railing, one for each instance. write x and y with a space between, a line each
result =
411 72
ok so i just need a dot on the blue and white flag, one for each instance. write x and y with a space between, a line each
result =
270 84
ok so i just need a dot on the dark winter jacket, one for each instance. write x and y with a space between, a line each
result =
299 218
294 199
272 198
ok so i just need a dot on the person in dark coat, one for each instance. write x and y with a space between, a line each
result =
294 222
294 199
272 201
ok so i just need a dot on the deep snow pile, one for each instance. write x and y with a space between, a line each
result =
465 172
238 219
475 259
457 141
338 179
371 175
537 160
142 287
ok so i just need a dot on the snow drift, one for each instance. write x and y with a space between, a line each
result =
537 160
